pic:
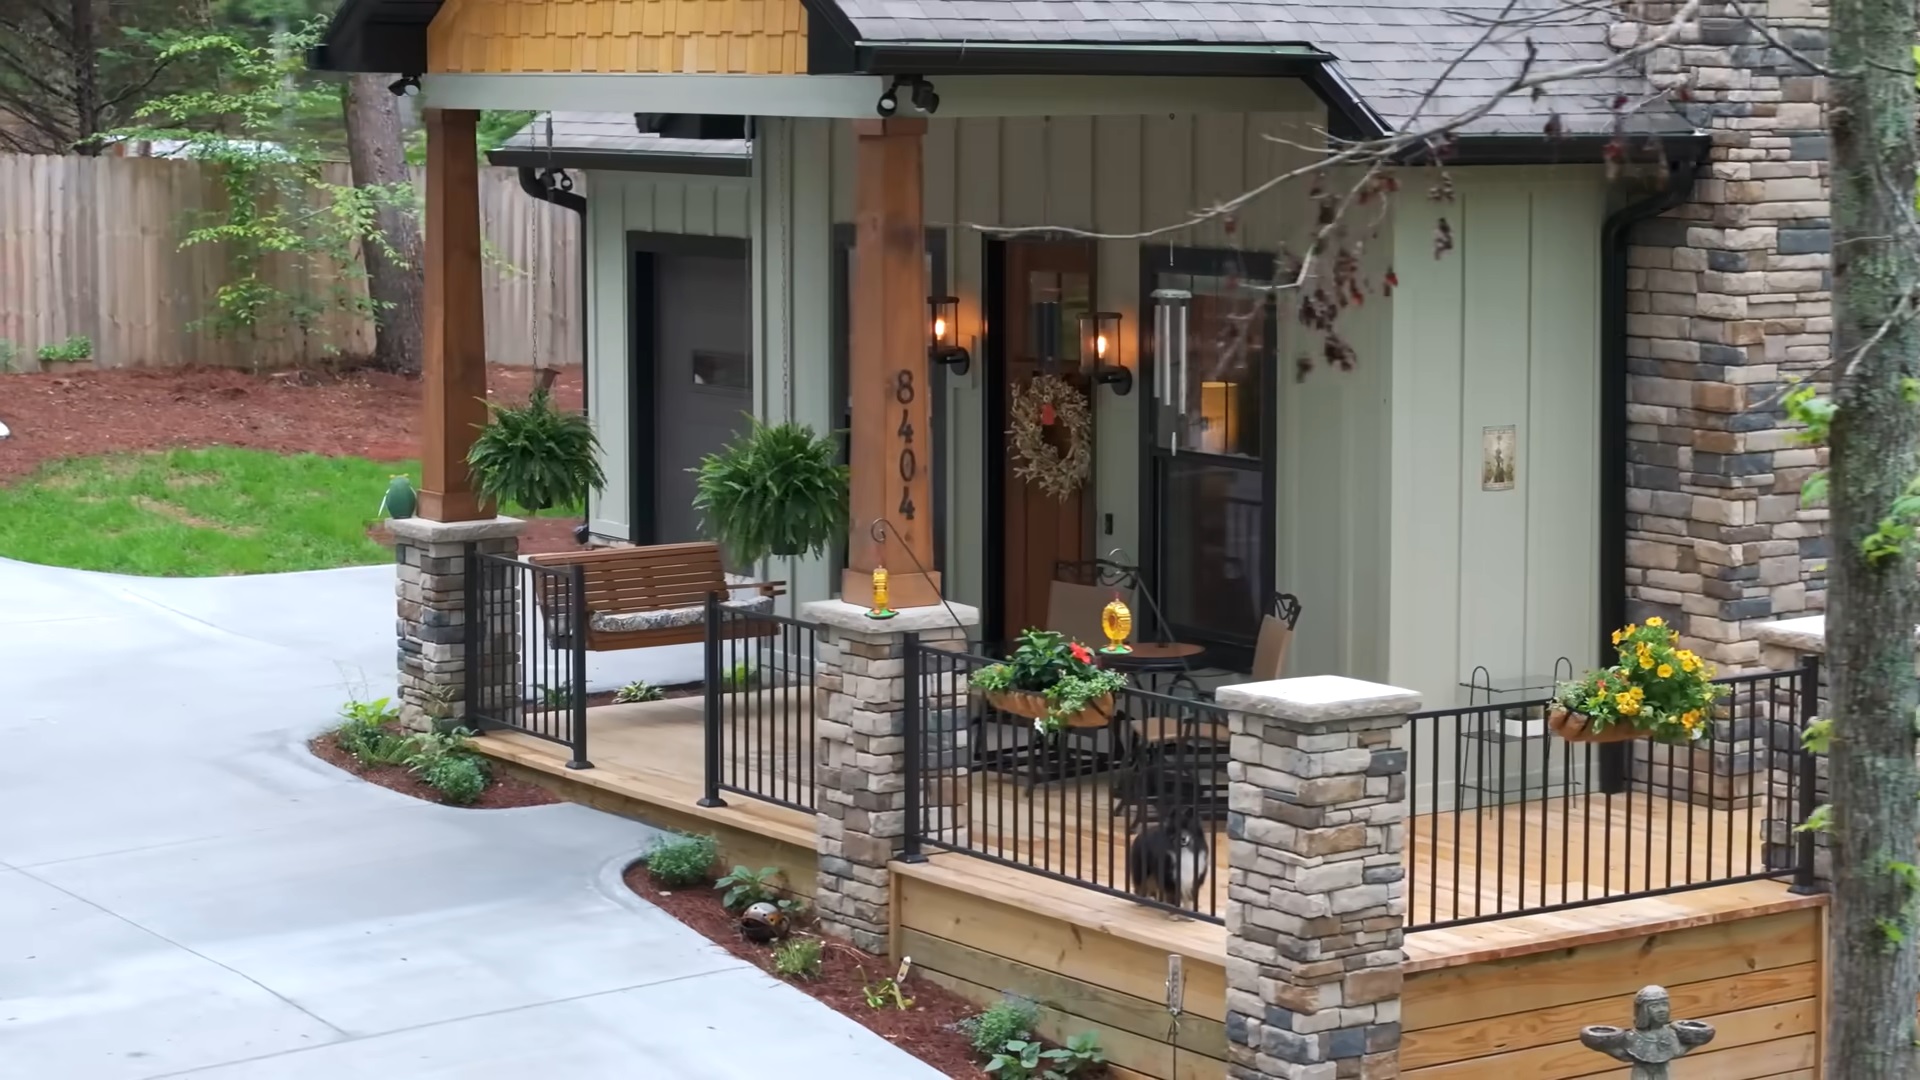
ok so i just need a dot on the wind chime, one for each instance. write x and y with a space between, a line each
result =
1170 355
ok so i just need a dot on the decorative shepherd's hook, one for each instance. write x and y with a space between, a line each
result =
879 530
1655 1041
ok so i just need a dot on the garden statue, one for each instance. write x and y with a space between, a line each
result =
400 501
1655 1040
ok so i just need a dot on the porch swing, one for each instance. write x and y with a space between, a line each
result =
637 597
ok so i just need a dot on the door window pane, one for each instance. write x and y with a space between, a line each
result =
1057 301
1215 403
1211 519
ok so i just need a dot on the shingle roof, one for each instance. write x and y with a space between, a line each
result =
1391 52
577 133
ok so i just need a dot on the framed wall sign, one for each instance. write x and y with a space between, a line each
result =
1499 458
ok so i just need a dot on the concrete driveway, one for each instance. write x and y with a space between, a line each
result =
186 892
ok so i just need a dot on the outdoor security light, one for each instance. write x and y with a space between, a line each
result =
943 334
405 86
1100 351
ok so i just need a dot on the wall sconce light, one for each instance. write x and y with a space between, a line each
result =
943 334
1170 352
1100 351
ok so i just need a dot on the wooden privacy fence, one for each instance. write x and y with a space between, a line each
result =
90 247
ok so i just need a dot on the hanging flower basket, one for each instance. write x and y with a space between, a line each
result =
1656 691
1097 714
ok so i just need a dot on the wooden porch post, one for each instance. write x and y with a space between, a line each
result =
892 451
454 368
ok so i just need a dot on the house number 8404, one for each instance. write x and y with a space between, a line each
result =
908 464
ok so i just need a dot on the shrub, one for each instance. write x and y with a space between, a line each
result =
460 778
71 351
798 958
1005 1020
741 676
1028 1059
746 886
443 760
682 860
638 690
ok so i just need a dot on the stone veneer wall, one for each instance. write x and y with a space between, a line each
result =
1728 296
431 616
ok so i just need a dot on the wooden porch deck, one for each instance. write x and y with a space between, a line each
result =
1513 858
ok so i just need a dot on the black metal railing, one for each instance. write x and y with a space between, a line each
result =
1507 819
760 703
525 650
1134 808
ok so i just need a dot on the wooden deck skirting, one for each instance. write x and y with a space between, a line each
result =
1500 998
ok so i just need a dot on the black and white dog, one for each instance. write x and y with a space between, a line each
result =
1169 860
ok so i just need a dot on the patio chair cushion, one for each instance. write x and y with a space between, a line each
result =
667 618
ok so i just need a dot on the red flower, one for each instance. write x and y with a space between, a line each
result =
1081 652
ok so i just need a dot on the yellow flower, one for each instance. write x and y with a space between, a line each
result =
1646 661
1665 671
1627 703
1656 621
1690 719
1617 635
1688 661
1673 637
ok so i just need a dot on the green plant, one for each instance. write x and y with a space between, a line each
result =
1045 662
536 454
1005 1020
1656 687
71 351
554 697
681 860
365 732
886 992
9 352
740 676
798 958
1023 1059
445 761
744 886
638 690
460 778
779 489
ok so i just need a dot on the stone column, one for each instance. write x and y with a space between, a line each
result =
861 756
1317 808
430 560
1728 295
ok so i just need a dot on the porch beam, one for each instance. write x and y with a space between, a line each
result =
454 367
892 451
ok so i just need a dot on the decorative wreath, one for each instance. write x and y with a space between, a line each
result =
1043 402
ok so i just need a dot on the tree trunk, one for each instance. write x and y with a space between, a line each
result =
86 79
1875 602
376 147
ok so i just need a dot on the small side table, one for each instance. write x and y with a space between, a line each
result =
1154 658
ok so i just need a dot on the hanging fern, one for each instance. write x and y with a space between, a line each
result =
536 455
777 490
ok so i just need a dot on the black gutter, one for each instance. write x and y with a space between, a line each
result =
1080 58
1614 240
610 160
1588 149
531 184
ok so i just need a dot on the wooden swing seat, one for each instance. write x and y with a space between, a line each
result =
668 581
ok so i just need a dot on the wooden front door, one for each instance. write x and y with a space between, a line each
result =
1046 286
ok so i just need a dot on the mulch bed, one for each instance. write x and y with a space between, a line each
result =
927 1030
503 793
350 412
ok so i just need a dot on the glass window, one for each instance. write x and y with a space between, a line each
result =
1211 516
1058 302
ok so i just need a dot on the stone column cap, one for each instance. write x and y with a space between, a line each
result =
455 532
844 616
1808 635
1318 699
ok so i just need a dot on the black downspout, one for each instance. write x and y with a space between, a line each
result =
1613 417
531 184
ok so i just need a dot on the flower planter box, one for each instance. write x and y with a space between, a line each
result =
1097 714
1572 727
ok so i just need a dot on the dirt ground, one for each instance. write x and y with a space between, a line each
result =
366 414
927 1030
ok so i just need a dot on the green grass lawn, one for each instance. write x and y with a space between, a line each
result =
199 513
